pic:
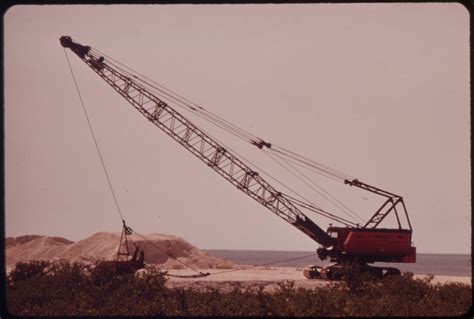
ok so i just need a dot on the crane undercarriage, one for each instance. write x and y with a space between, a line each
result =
356 248
339 271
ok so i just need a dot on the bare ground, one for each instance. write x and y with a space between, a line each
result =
269 277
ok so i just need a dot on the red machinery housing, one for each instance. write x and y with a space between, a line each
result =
371 245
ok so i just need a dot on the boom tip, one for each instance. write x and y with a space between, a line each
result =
79 49
65 41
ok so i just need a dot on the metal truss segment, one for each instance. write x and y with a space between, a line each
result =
204 147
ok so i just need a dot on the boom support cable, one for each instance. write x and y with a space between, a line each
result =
208 149
186 103
183 101
322 212
311 184
238 132
313 164
220 122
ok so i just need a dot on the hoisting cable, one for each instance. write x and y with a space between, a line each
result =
127 230
174 101
187 104
287 167
311 163
228 148
325 193
287 160
218 121
320 211
293 191
301 176
93 137
337 172
265 264
310 183
184 102
308 205
231 128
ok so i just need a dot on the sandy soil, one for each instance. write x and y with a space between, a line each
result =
104 245
269 277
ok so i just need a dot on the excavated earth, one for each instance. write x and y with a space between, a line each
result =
158 250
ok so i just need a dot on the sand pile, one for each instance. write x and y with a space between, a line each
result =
98 246
159 249
32 247
13 241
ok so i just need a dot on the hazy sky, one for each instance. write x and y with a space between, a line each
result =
379 91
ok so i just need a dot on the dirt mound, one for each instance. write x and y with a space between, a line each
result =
32 247
98 246
12 241
166 250
174 252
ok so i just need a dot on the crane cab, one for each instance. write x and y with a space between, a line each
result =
374 244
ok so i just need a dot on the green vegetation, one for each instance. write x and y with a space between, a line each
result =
47 289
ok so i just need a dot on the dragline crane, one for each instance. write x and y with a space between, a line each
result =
344 245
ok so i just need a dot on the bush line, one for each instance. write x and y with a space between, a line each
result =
41 288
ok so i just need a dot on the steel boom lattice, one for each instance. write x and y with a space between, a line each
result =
199 143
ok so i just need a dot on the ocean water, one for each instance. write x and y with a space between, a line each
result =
436 264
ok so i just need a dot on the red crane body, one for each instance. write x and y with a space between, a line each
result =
374 245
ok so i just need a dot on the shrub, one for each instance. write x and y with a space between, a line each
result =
27 270
55 289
